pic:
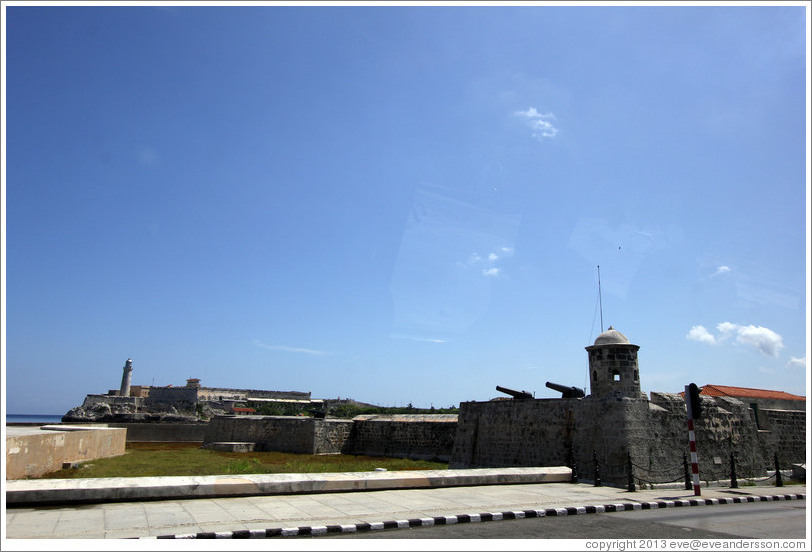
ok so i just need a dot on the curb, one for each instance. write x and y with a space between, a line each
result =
26 492
474 518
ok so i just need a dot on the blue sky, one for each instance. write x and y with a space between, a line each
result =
402 204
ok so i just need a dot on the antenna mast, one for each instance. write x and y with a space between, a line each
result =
600 300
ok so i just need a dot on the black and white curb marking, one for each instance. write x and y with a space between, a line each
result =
475 518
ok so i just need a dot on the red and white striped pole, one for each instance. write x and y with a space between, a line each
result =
692 442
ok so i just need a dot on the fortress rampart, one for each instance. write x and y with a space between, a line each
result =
428 437
222 393
281 433
419 437
617 425
554 432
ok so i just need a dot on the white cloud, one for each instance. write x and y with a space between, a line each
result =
763 340
539 123
490 261
722 270
701 334
290 349
727 329
797 363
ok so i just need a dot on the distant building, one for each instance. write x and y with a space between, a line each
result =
191 402
756 398
139 391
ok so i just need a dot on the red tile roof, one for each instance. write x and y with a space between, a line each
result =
746 392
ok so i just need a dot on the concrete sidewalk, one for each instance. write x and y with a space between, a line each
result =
318 513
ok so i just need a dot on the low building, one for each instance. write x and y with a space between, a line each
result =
757 398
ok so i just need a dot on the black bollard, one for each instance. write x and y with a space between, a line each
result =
778 481
632 487
597 471
688 483
734 484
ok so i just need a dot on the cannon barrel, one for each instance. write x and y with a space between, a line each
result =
566 392
513 393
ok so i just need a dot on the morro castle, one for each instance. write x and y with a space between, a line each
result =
190 403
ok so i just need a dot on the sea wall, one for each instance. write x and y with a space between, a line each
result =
41 451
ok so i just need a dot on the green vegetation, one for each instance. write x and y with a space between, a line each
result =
349 410
166 459
279 409
342 409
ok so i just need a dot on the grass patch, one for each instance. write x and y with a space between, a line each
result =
170 459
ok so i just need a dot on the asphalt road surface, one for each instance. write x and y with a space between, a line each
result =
764 520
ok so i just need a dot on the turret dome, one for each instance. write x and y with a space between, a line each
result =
611 337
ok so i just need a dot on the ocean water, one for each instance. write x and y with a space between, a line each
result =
33 418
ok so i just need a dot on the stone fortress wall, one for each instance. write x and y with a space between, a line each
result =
281 433
420 437
555 432
616 423
222 393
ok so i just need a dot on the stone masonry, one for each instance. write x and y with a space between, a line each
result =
617 423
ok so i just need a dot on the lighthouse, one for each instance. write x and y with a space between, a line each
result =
126 379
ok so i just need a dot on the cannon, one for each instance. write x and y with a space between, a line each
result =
513 393
566 392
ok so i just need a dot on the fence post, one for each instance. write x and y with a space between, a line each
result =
597 470
688 486
632 487
778 481
734 484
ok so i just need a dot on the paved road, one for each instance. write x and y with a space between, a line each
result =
769 520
